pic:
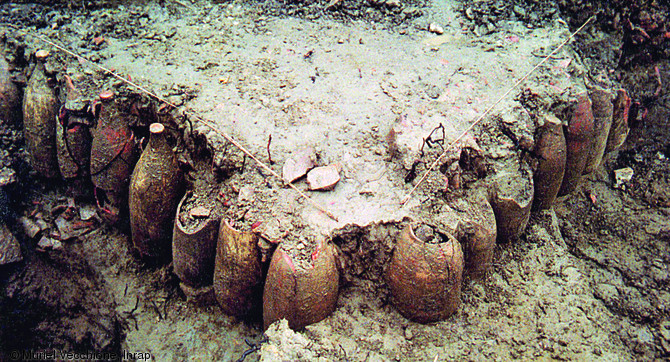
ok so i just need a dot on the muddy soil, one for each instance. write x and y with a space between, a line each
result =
363 83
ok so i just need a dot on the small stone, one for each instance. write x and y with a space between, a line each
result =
67 229
7 176
470 14
323 178
369 188
519 11
297 166
46 243
393 3
408 334
246 193
622 175
41 223
98 40
200 211
424 233
57 245
29 227
87 212
10 250
435 28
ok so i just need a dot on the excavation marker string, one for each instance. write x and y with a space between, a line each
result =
489 109
210 124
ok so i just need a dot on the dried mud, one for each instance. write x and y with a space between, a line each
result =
586 280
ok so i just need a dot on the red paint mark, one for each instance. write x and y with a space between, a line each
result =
288 261
512 39
442 254
316 252
163 107
255 225
644 114
626 103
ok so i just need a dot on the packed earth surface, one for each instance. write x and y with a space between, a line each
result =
378 91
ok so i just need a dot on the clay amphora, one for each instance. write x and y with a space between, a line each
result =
73 136
511 197
193 251
550 151
619 129
113 153
477 233
40 107
302 296
153 196
238 283
10 101
578 142
425 278
602 109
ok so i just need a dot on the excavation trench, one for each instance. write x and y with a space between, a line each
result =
352 116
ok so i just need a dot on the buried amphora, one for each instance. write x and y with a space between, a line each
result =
10 99
73 137
113 154
301 287
425 274
194 246
40 106
238 279
153 196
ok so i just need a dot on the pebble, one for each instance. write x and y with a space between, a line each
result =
200 211
246 193
323 178
7 176
369 188
408 334
297 166
622 175
519 11
87 212
10 250
435 28
49 243
470 14
393 3
29 227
